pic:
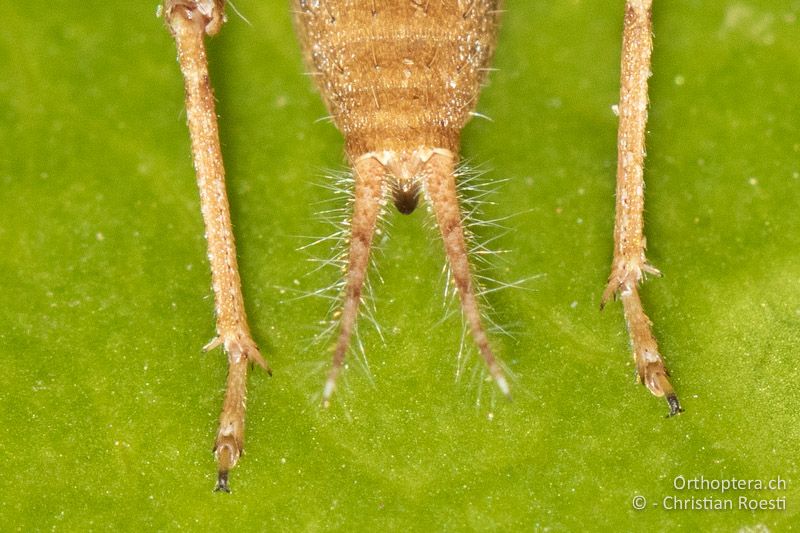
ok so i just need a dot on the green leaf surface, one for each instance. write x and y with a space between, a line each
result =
108 407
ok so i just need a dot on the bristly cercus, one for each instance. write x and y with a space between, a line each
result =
400 79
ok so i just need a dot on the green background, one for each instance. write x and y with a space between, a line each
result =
108 408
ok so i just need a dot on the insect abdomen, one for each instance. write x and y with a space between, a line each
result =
396 74
400 78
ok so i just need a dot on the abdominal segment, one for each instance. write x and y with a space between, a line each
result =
398 74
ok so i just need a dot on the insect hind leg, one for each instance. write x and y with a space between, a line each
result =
629 263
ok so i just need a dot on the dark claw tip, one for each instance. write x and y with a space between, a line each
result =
674 405
222 482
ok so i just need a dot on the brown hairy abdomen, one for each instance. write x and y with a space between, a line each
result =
396 75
